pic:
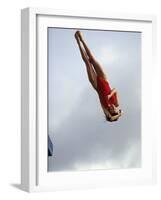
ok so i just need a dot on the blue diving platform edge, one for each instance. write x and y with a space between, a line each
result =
50 147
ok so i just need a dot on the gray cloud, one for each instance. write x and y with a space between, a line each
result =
84 138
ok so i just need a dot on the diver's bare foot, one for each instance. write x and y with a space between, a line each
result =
80 35
76 34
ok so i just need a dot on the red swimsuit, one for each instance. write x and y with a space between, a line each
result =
104 90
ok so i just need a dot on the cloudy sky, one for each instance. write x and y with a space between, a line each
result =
81 137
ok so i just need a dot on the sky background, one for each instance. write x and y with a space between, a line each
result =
81 136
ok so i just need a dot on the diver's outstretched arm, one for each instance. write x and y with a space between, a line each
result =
114 92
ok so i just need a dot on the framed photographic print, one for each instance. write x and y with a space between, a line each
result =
87 104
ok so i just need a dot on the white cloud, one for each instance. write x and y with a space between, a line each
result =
107 55
130 158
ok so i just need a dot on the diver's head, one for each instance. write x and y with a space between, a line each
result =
113 110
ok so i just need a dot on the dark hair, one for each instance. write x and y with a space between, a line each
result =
111 111
108 118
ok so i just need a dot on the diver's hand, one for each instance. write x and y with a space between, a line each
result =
108 96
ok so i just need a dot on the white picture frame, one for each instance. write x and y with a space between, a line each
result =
34 175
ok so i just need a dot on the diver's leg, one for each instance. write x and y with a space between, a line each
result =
90 71
94 62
